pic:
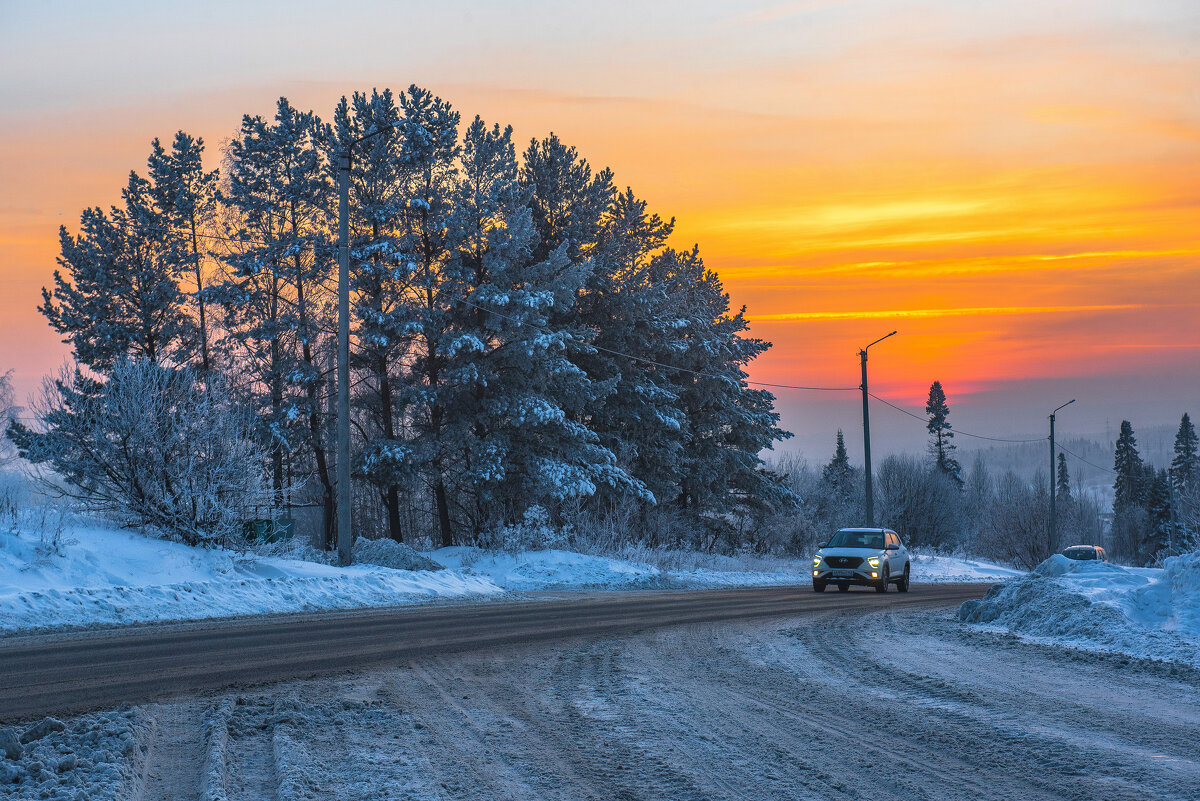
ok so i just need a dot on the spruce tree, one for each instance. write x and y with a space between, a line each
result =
1185 467
838 475
1129 486
939 428
119 296
1063 480
1159 517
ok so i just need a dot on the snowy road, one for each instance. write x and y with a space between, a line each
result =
75 672
891 704
849 703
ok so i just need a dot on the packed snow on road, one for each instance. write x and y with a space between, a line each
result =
91 575
836 706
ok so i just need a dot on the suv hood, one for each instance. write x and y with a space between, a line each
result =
863 552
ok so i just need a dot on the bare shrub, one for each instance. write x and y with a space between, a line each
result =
151 446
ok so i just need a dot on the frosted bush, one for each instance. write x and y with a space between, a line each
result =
535 532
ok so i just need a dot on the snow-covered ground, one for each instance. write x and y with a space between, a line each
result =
1143 612
100 576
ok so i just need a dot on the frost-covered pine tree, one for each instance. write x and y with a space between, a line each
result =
380 276
638 330
1185 467
513 389
727 423
276 291
185 195
941 446
116 293
568 200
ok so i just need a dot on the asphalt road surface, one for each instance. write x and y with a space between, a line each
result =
71 673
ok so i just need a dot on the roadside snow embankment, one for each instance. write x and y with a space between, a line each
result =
1142 612
99 576
96 576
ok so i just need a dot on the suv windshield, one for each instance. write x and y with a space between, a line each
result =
1080 553
857 539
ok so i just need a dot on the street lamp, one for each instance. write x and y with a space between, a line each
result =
1053 469
869 490
345 535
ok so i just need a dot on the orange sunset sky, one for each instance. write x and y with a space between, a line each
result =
1015 186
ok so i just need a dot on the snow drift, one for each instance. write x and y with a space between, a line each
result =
1142 612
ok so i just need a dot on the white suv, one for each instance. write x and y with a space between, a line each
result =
874 557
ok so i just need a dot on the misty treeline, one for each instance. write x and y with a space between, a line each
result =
1006 517
525 346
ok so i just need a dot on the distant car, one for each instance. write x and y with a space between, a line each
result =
1085 553
873 557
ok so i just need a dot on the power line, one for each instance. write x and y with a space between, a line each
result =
1085 461
955 430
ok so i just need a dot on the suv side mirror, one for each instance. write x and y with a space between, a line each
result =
821 545
891 546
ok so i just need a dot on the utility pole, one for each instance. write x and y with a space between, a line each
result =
1054 478
869 488
345 537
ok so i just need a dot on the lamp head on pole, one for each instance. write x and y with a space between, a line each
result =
876 342
1065 405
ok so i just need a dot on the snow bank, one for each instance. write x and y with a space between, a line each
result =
98 576
1142 612
550 569
103 577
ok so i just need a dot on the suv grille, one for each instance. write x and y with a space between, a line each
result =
843 561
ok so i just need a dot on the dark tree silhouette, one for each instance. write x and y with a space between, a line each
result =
939 429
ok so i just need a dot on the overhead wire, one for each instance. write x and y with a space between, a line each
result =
955 430
1064 449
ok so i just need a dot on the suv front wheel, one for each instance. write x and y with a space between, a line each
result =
902 584
818 586
882 586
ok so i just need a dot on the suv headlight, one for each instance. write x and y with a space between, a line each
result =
873 561
817 560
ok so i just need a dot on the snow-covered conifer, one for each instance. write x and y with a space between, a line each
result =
276 292
185 196
1185 467
119 295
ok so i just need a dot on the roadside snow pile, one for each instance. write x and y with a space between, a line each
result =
1142 612
381 552
97 756
941 569
99 576
552 569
